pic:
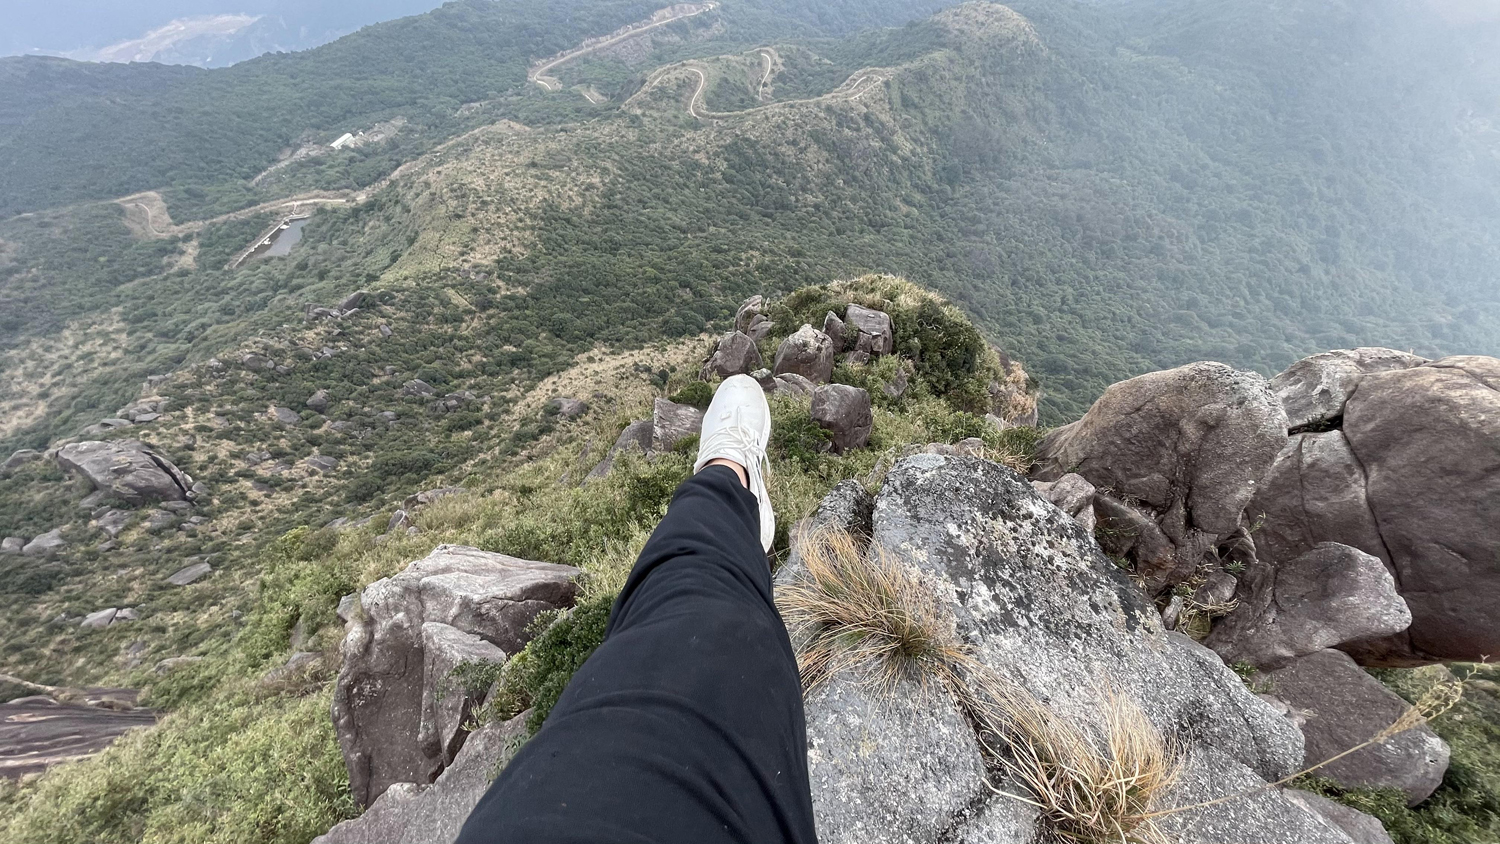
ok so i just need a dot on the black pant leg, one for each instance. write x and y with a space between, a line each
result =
686 724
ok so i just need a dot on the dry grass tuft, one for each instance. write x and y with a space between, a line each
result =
871 612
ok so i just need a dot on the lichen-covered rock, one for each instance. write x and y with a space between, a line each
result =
128 470
1313 390
1329 595
671 423
1188 445
1343 706
1360 827
1038 603
808 352
736 354
382 696
845 412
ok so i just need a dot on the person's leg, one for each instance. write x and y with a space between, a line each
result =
686 724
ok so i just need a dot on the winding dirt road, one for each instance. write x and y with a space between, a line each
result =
538 73
856 86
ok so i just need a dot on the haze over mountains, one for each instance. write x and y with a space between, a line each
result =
206 33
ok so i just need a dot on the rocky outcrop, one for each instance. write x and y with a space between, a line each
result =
389 711
191 573
1188 446
567 408
736 354
636 437
46 545
671 423
1409 474
127 470
1330 595
844 412
808 352
318 402
876 335
409 813
17 459
1341 706
749 319
1038 603
1072 495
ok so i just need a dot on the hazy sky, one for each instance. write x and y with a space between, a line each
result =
60 26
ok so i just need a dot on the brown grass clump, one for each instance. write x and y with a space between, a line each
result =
874 613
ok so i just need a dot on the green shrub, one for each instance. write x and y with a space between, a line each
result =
695 393
536 676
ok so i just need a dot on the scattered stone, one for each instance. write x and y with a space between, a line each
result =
845 412
736 355
671 423
808 352
115 423
113 522
747 313
900 383
298 665
99 619
160 520
636 437
399 521
262 487
46 545
794 385
765 379
190 573
381 696
385 330
1328 596
255 458
354 300
1344 707
176 506
12 545
418 387
126 469
286 416
318 402
567 408
143 418
256 363
428 496
876 336
322 463
126 614
170 664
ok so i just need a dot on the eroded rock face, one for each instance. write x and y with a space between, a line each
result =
1329 595
1410 474
128 470
1343 707
671 423
1189 444
809 353
845 412
1038 603
735 355
1314 390
383 696
409 813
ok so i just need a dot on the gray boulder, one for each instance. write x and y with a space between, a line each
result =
382 696
1330 595
834 328
429 496
1313 390
128 470
418 387
12 545
794 385
1343 707
876 337
99 619
445 649
1360 827
1314 492
256 363
357 299
190 573
17 459
808 352
671 423
322 463
748 312
845 412
286 416
636 437
113 522
1071 494
46 545
736 354
568 408
318 402
409 813
1038 603
1188 444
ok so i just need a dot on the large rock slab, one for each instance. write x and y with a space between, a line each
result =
128 470
383 695
1429 441
1189 445
1313 390
1360 827
444 649
38 732
409 813
46 544
845 412
1343 707
671 423
1314 492
1038 603
1330 595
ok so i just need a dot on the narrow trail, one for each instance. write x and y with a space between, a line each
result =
538 75
861 83
293 203
770 56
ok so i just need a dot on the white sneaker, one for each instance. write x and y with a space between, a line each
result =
737 426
